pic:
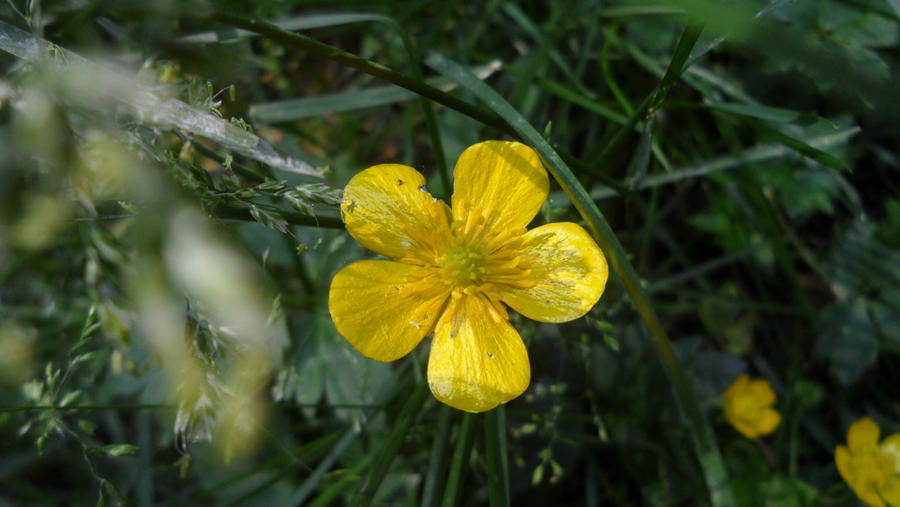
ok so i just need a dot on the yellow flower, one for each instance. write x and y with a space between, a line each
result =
748 407
454 268
872 470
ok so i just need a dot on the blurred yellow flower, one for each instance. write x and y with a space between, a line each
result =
871 470
454 268
748 407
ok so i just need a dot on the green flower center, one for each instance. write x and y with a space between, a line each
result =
464 264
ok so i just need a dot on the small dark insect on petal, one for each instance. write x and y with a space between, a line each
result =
399 182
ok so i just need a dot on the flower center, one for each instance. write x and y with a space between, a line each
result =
479 254
464 264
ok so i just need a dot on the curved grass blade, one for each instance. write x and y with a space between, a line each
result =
388 451
704 441
292 24
498 467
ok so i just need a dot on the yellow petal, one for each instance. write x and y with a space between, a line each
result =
569 269
501 177
737 387
761 392
767 422
862 436
842 460
477 358
857 479
386 208
891 491
740 425
368 309
890 447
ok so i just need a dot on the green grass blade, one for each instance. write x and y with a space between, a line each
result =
766 113
676 65
437 463
359 63
310 484
803 148
350 477
497 464
657 97
351 60
292 24
388 451
732 161
460 462
321 105
704 441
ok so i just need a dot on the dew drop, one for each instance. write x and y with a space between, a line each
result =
490 355
422 188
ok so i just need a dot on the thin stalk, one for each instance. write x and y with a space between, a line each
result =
460 459
388 451
437 466
498 467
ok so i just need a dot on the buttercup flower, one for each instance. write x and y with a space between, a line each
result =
871 470
748 407
453 269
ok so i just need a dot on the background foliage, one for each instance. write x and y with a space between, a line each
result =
169 230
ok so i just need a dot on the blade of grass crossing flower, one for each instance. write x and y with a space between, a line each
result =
704 441
388 451
460 461
497 464
437 463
